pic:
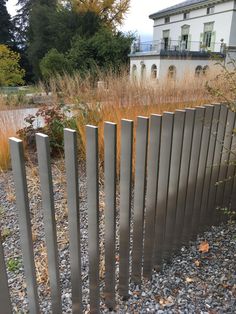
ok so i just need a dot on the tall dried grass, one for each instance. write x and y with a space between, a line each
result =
119 90
10 123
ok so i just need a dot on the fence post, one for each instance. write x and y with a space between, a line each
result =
71 163
93 216
209 167
193 169
225 159
211 209
4 295
125 205
139 197
152 180
45 174
110 151
183 176
22 203
176 152
163 182
229 195
202 167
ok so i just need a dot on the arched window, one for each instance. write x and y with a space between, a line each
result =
172 72
198 71
134 72
143 72
205 70
154 72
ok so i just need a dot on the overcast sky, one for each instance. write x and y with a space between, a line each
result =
137 17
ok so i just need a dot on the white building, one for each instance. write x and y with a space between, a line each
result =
185 37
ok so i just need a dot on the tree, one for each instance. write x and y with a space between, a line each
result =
54 63
104 51
50 28
111 12
10 72
5 25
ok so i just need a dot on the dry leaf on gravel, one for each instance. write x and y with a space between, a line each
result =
204 247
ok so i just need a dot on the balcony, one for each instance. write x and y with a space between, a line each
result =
177 48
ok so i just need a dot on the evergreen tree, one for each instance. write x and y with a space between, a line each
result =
5 25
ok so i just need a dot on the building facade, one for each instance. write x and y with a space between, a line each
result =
185 39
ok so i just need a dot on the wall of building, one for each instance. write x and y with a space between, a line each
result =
183 66
222 19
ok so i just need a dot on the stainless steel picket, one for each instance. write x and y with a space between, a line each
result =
125 205
139 197
110 158
71 163
22 203
45 174
93 216
4 295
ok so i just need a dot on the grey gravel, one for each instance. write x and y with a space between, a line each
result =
193 282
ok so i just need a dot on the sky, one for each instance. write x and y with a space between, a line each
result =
137 19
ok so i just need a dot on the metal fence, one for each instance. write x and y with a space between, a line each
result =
184 171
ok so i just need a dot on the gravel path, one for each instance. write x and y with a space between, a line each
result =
193 282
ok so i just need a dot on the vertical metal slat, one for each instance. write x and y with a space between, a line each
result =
176 153
110 151
71 163
22 203
202 167
193 169
125 204
93 216
139 197
45 174
183 176
163 182
4 295
152 180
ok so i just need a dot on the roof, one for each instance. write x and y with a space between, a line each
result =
181 6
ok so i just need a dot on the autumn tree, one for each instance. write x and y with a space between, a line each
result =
111 12
10 72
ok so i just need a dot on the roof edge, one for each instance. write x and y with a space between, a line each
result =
174 11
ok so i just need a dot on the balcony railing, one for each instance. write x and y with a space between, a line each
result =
176 47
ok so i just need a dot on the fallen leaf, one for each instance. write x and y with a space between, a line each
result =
197 263
189 280
204 247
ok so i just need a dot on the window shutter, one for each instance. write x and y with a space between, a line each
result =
213 39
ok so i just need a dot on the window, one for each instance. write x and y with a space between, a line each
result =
154 72
172 72
210 10
143 72
207 35
198 71
166 39
186 15
167 19
134 72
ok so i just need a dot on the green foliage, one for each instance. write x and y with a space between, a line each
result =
105 51
13 264
55 119
54 29
6 232
10 72
54 63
